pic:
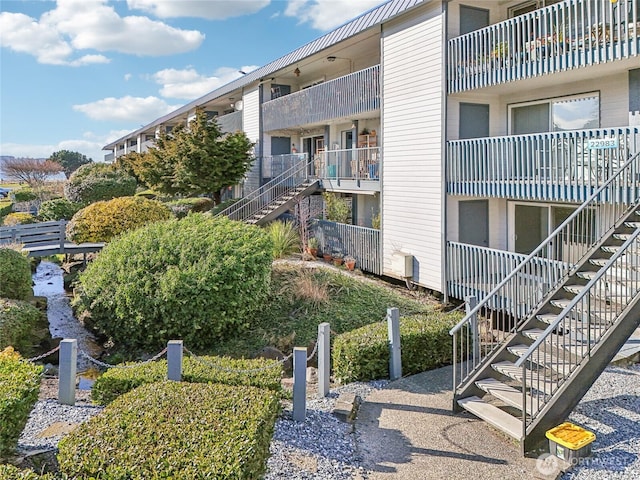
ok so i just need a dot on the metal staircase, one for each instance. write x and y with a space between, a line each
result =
274 197
529 351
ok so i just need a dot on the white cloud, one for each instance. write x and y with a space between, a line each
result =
128 109
91 25
188 84
211 10
327 14
127 77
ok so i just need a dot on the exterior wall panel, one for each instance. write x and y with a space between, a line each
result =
412 120
251 126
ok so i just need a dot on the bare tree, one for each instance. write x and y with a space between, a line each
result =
31 171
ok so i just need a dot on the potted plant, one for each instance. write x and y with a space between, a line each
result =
338 258
327 257
312 246
349 262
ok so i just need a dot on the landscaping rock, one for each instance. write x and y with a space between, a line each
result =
346 407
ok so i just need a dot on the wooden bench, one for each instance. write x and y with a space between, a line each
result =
45 238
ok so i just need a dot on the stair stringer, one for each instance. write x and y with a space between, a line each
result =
569 394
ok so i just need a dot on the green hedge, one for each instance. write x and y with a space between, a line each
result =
21 325
116 381
18 218
199 279
175 430
9 472
363 354
19 387
94 182
58 209
15 273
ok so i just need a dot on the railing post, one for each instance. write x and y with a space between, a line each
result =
324 358
472 302
174 360
63 234
299 384
67 371
393 328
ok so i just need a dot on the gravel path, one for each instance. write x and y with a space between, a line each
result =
325 448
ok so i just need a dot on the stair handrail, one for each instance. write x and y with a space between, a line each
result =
545 243
584 291
255 195
532 291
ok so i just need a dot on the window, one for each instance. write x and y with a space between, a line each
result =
554 115
472 19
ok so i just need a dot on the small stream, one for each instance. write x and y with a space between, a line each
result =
48 282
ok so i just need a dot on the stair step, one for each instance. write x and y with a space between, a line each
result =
635 225
510 370
617 274
493 415
566 342
616 248
622 236
509 395
575 289
547 317
543 358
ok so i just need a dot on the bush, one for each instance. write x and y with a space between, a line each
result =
15 272
117 381
184 206
18 218
6 207
9 472
285 237
21 325
24 194
94 182
363 354
101 221
224 205
19 387
175 430
58 209
198 279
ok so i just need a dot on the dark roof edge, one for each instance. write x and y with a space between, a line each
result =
365 21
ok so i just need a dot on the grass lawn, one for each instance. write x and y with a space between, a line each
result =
305 294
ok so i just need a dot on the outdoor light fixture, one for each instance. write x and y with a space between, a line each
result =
296 72
331 58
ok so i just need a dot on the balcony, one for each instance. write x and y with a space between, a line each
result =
560 37
352 169
231 122
553 166
343 97
274 165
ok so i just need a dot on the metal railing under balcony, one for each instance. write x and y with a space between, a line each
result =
563 36
350 164
555 166
362 243
231 122
346 96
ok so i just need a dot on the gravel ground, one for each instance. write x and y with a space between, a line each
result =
611 410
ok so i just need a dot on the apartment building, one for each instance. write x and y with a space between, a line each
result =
497 140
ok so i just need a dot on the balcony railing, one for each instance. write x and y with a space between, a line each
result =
351 164
274 165
362 243
555 166
563 36
346 96
231 122
474 270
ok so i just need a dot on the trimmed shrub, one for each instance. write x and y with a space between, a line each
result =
94 182
285 237
20 325
9 472
15 272
58 209
24 194
198 279
181 208
175 430
101 221
224 205
19 387
363 354
6 207
18 218
116 381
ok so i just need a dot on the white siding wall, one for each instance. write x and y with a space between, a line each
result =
412 121
251 114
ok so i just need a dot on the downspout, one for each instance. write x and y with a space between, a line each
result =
443 173
260 143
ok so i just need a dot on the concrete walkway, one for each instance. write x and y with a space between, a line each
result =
408 431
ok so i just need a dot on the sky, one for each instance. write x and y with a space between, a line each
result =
78 74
